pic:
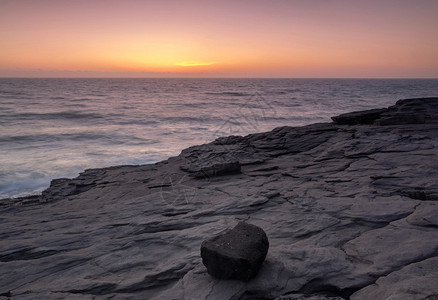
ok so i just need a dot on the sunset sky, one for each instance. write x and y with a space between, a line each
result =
238 38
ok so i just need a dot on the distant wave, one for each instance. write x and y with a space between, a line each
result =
235 94
23 141
287 91
50 137
195 120
138 122
53 115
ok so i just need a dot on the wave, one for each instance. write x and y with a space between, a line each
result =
287 91
138 122
16 96
49 137
77 105
205 118
53 115
196 104
13 93
235 94
42 139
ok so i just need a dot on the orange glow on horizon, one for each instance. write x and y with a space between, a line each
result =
239 38
194 63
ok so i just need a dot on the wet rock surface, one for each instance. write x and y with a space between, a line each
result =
350 212
237 253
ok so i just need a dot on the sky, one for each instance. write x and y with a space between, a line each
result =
237 38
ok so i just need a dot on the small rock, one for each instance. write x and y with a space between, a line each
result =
236 254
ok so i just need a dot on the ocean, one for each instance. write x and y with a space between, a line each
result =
53 128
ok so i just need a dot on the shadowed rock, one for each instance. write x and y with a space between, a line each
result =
411 111
308 297
213 170
359 117
406 111
237 253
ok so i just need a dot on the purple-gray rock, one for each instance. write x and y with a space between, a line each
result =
359 117
411 111
213 169
405 111
236 254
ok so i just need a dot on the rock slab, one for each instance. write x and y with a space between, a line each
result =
405 111
237 253
359 117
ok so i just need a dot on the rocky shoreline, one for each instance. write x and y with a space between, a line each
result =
350 209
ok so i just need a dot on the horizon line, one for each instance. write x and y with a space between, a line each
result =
218 77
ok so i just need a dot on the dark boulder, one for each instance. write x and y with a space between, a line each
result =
237 253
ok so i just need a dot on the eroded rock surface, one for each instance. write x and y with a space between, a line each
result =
350 212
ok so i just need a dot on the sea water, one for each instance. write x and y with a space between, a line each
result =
52 128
